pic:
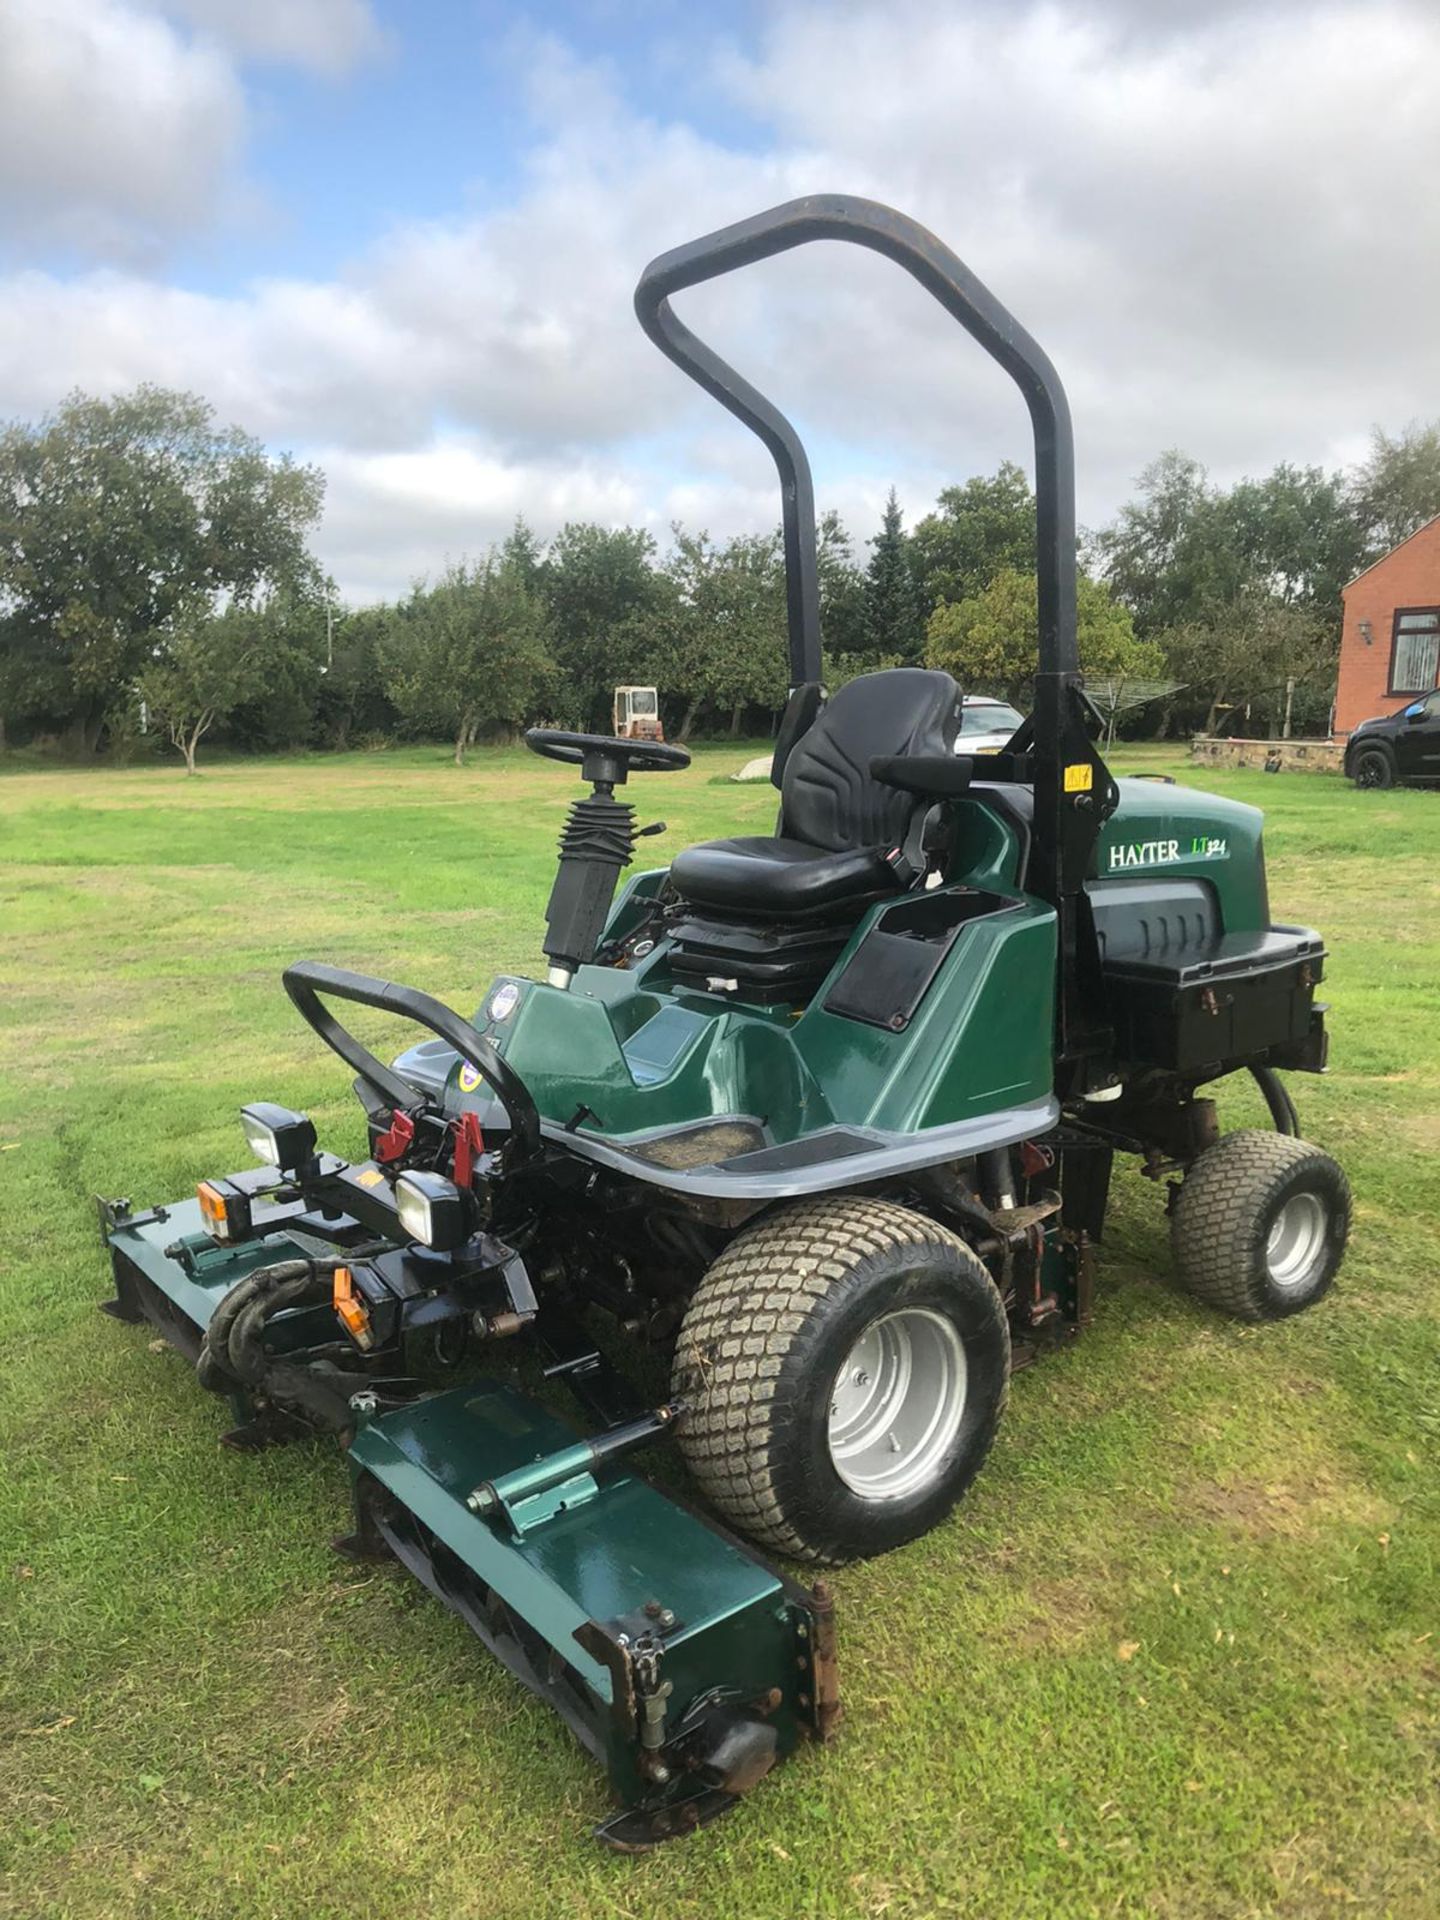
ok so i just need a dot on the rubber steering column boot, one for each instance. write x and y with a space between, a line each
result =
598 840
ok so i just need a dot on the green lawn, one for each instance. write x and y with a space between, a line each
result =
1179 1654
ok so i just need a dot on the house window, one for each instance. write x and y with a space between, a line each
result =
1415 656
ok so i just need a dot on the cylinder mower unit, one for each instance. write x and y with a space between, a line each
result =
823 1122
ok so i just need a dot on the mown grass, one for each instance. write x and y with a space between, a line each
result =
1179 1654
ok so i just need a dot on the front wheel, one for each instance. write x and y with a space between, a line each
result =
1374 767
845 1365
1259 1224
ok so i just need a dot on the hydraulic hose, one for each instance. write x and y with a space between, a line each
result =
1277 1099
213 1366
233 1354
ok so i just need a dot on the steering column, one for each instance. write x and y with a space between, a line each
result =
598 838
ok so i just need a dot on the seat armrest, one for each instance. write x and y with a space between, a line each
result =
934 776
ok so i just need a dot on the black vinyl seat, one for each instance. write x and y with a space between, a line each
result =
778 876
837 822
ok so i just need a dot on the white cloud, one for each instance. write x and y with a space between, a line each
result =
114 130
1226 237
1219 221
325 36
121 129
392 518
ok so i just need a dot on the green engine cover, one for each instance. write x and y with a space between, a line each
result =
1160 828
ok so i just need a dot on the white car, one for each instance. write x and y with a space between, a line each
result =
985 725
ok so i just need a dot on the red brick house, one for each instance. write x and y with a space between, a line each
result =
1390 642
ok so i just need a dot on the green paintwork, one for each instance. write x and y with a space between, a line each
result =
644 1053
530 1495
740 1626
1152 814
217 1269
981 1040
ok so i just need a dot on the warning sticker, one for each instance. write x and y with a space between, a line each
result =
1079 778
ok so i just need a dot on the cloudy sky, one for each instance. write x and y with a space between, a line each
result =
401 239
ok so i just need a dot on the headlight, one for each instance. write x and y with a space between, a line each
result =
432 1210
277 1137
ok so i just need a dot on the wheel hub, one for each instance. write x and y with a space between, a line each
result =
1296 1242
896 1404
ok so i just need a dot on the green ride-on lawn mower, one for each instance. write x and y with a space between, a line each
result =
829 1116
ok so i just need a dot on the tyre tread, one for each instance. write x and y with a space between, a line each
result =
753 1313
1212 1225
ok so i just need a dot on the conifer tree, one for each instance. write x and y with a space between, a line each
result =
894 617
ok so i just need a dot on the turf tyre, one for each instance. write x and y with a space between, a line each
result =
1374 768
1228 1226
768 1328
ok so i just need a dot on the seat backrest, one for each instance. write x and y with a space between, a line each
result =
828 796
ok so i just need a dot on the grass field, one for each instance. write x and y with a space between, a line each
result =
1179 1653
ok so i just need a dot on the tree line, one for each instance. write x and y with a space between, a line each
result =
156 576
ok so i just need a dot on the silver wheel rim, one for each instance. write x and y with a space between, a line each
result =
1296 1244
896 1404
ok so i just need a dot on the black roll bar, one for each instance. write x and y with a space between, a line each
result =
940 272
1074 792
306 980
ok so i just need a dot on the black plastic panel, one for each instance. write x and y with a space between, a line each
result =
1144 919
889 973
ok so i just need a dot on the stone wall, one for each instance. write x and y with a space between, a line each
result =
1296 756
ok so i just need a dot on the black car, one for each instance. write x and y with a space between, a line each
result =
1397 749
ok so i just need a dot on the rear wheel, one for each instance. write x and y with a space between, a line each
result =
845 1365
1259 1225
1374 767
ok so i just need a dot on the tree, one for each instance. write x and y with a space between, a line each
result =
208 663
894 616
749 663
843 625
976 531
1294 535
603 601
990 641
350 697
1398 488
523 555
1168 554
277 712
121 517
1244 652
1184 548
725 624
468 653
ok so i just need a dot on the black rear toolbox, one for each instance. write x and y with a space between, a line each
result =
1237 998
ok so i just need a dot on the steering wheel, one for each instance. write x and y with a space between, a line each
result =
602 758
